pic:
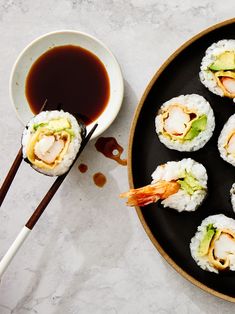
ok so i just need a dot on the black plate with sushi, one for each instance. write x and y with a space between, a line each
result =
174 154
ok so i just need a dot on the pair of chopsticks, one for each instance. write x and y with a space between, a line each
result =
10 176
7 258
15 166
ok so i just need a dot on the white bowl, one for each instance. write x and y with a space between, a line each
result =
59 38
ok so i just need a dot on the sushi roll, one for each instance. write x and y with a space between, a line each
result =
218 68
51 141
185 123
232 194
226 141
213 246
181 185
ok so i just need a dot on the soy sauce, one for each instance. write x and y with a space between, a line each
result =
99 179
69 78
110 148
82 168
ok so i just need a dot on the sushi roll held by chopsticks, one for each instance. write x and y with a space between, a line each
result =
181 185
218 68
185 123
51 141
213 246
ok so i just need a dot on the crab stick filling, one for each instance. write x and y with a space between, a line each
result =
226 81
46 148
177 120
222 249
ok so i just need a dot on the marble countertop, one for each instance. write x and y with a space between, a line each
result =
89 253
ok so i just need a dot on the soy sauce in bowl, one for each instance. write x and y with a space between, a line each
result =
71 76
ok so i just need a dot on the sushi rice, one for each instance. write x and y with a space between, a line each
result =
232 194
212 78
58 139
174 125
183 200
226 141
213 246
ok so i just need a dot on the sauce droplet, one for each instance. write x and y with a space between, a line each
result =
110 148
83 168
99 179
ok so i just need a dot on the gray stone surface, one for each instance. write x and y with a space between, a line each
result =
89 253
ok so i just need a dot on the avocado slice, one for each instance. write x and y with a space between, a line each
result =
59 124
185 186
70 131
205 242
197 126
192 182
192 133
55 125
189 184
225 61
39 125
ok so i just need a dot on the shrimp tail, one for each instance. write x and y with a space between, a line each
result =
150 193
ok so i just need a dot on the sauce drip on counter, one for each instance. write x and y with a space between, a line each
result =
99 179
82 168
69 78
110 148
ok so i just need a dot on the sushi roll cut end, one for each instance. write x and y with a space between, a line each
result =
218 68
185 123
51 141
181 185
213 246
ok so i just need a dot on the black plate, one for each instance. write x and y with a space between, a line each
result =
169 230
